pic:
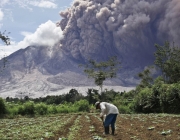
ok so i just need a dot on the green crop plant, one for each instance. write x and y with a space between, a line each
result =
74 129
166 132
91 128
151 128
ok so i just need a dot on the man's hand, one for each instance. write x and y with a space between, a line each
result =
102 118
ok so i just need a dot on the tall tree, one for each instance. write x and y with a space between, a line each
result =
146 78
167 58
100 71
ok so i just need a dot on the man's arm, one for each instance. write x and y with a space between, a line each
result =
103 109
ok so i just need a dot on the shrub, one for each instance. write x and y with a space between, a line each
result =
2 107
21 110
29 108
82 105
63 108
142 101
52 109
170 98
41 109
124 109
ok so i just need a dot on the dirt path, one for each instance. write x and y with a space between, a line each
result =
86 130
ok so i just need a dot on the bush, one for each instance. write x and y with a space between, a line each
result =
21 110
29 108
63 108
170 98
2 107
142 102
124 109
82 105
41 109
52 109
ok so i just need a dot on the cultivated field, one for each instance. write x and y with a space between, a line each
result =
89 127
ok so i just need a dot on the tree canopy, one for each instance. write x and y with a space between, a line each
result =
167 59
100 71
5 38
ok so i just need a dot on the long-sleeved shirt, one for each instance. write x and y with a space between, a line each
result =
107 108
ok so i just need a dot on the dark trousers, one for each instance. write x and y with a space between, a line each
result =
110 120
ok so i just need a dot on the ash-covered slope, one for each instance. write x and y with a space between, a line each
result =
93 29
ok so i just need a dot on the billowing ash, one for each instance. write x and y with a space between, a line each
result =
127 28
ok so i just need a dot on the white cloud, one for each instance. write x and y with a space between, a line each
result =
24 33
3 2
47 34
36 3
1 15
43 4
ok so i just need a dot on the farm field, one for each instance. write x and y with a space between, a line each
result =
88 126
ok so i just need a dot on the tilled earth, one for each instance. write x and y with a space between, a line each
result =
128 127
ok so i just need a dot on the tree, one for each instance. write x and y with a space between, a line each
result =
167 58
2 107
6 40
100 71
146 78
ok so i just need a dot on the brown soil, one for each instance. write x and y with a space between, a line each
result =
128 127
63 132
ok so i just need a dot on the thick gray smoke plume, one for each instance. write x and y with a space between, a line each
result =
127 28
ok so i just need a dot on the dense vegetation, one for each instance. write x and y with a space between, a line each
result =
162 93
158 93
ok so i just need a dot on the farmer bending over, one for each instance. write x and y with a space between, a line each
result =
111 112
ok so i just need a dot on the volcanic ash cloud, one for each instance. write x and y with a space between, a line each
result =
102 28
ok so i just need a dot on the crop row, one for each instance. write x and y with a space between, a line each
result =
89 126
32 128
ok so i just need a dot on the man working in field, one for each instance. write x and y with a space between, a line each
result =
109 112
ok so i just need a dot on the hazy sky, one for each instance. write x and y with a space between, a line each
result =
30 21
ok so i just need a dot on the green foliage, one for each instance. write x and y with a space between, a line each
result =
73 96
22 109
167 58
141 101
124 101
41 109
92 96
109 95
170 98
67 108
146 78
2 107
52 109
100 71
161 98
161 94
29 108
5 38
83 105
